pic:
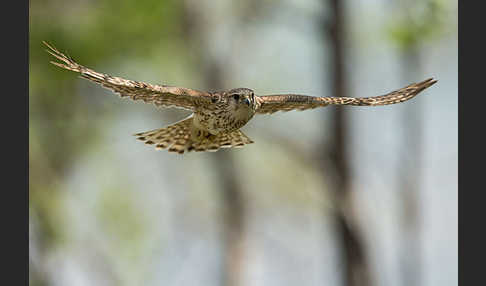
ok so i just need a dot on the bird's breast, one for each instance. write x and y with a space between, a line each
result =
222 119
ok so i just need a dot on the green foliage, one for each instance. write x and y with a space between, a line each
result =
64 121
120 218
48 209
418 22
94 32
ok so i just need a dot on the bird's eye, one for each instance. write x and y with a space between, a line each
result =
236 97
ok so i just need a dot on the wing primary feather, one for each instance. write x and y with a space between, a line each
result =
286 102
160 95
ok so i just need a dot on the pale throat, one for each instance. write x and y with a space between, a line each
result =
243 113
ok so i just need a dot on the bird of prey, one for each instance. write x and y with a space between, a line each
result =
217 116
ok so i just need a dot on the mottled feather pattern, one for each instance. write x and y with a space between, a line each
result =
234 139
160 95
177 138
287 102
217 116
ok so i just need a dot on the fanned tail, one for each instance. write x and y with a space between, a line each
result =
176 137
234 139
181 137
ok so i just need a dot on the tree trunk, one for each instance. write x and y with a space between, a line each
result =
232 201
356 270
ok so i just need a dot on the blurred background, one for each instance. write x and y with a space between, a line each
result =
331 196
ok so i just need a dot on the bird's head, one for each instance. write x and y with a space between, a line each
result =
241 97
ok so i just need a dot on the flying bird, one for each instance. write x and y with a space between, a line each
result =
217 117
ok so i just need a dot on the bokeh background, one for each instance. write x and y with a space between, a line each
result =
331 196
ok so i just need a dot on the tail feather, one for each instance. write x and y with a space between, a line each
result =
179 138
234 139
175 137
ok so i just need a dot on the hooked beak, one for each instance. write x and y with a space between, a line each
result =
247 101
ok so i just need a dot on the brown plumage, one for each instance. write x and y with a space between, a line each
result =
287 102
217 116
177 138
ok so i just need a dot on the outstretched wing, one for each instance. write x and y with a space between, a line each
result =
160 95
287 102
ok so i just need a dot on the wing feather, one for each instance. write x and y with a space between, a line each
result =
286 102
160 95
